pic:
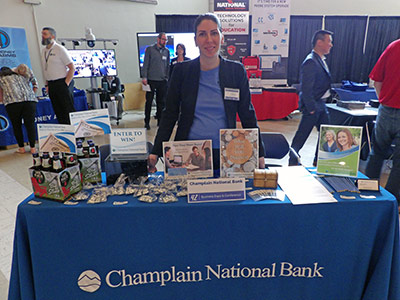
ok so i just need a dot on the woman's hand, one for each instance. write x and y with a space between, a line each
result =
151 163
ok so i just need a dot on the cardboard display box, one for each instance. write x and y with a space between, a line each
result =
56 186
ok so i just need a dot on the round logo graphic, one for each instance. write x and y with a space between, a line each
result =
89 281
3 123
4 39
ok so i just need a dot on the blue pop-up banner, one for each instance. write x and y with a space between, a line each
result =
13 47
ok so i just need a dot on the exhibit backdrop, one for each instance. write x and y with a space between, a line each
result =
13 47
270 36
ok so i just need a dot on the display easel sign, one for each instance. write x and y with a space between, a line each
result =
339 150
56 138
128 141
188 158
216 190
239 152
91 122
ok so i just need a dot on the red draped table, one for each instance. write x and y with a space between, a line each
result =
275 103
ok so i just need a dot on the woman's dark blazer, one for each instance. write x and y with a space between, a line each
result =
182 96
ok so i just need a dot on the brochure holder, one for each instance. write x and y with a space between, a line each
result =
128 154
132 165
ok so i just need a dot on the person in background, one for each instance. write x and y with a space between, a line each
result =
180 57
315 86
112 85
155 73
205 94
17 92
23 70
58 73
386 76
330 144
345 140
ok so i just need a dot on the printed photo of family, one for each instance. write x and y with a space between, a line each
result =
191 158
339 150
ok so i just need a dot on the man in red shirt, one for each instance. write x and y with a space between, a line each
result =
386 75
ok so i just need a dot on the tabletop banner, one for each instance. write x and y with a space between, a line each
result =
13 47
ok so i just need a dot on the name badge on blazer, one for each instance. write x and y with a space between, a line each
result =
232 94
164 58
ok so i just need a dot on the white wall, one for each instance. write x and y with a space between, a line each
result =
121 19
115 19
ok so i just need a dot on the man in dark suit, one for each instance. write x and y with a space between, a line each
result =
315 85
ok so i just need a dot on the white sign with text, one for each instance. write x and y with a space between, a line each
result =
128 141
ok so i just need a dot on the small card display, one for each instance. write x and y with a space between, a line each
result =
56 138
339 150
368 184
239 152
91 122
188 158
128 141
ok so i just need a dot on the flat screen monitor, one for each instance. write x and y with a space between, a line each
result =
267 62
94 63
147 39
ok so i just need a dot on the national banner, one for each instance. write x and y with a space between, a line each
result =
234 17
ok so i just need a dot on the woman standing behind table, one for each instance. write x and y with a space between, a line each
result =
205 94
345 140
180 57
20 101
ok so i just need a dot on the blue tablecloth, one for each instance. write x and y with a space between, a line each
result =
44 114
365 96
238 250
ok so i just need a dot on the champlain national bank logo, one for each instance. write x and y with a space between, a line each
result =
4 40
89 281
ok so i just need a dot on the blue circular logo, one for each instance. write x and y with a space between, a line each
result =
3 123
4 39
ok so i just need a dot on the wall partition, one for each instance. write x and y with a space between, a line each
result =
358 41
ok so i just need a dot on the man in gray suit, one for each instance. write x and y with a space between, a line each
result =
315 85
